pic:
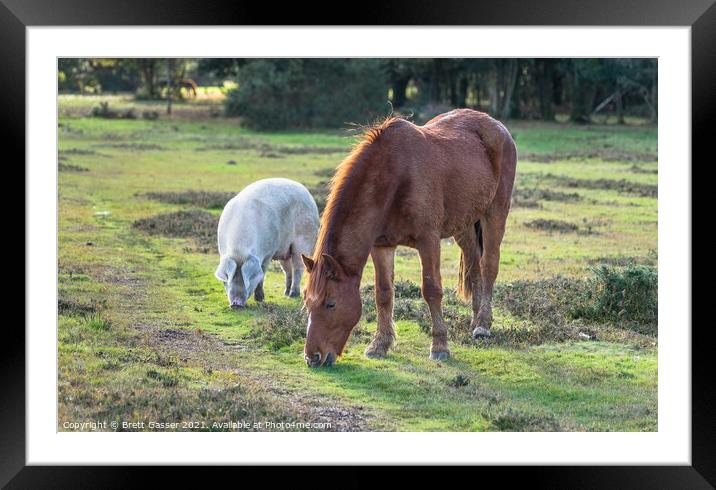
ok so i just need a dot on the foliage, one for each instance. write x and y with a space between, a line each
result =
283 93
620 294
304 93
103 111
279 326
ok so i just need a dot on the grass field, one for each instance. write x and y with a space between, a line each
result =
145 333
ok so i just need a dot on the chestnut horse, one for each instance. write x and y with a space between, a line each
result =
410 185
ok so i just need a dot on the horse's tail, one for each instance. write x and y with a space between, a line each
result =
464 282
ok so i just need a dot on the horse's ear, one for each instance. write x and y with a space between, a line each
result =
308 262
333 266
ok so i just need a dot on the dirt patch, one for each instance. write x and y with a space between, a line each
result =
514 421
268 150
552 225
67 305
196 224
605 154
638 169
624 186
77 151
204 199
281 404
531 197
68 167
303 150
135 146
186 341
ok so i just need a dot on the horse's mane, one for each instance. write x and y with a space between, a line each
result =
317 279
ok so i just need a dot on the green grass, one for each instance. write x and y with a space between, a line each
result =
145 332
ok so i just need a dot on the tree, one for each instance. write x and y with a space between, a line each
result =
545 71
399 72
313 92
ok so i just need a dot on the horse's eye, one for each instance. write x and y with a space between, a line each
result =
330 304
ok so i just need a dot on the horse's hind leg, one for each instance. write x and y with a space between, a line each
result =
471 278
287 267
493 229
429 250
384 261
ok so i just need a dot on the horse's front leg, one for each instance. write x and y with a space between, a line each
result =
384 261
432 290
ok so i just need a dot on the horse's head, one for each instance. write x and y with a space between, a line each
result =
332 298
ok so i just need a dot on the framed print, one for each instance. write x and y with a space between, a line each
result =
260 243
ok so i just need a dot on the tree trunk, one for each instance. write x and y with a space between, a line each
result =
510 82
654 106
170 85
435 82
545 72
582 92
452 85
493 88
462 92
149 78
399 87
619 105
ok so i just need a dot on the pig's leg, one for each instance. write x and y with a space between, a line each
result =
297 263
287 267
259 291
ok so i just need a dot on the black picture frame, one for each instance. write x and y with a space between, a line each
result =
700 15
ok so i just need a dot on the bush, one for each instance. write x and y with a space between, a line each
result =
279 326
103 111
621 294
304 93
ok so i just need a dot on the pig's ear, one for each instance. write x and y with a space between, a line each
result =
308 262
251 272
226 270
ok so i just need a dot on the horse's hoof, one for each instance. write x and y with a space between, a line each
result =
379 347
480 333
439 356
294 294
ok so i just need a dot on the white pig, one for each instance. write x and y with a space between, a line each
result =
269 219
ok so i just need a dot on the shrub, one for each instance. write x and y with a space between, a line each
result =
620 294
279 326
552 225
300 93
103 111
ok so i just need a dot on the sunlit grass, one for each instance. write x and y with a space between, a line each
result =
129 287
